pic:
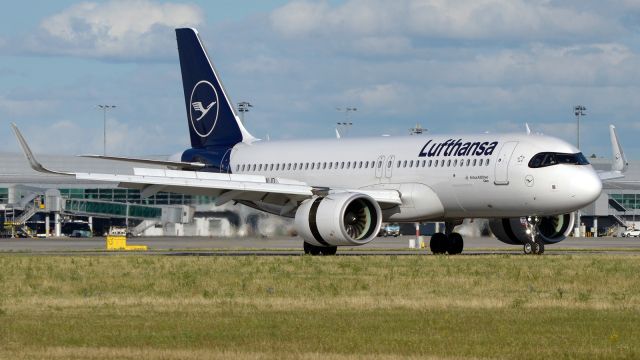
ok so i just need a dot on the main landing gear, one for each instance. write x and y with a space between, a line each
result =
310 249
450 242
533 245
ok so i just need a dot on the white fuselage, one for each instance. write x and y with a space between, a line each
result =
465 176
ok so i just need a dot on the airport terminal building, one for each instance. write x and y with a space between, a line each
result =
37 204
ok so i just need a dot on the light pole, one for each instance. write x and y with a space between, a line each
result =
343 128
579 110
243 107
104 109
346 124
346 112
417 130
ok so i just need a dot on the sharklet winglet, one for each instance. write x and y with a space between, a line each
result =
35 164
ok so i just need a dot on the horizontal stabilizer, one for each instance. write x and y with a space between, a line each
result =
175 164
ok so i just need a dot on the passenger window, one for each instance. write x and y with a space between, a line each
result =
324 165
430 162
360 165
474 162
411 163
399 163
348 164
424 162
455 162
487 162
341 165
379 164
435 163
404 163
480 162
448 163
330 165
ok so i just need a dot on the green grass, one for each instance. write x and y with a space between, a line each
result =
499 306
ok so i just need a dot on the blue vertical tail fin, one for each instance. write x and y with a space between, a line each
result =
213 123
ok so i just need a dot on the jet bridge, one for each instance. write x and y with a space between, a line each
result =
59 206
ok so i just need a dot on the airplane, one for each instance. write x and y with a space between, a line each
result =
339 191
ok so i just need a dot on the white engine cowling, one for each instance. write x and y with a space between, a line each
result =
552 229
338 219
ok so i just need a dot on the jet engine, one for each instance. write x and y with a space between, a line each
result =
551 229
338 219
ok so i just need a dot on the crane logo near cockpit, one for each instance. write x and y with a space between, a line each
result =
204 109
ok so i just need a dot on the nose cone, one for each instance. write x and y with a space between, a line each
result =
585 187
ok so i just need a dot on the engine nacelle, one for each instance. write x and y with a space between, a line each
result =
552 229
338 219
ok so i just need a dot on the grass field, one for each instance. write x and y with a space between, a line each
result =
386 307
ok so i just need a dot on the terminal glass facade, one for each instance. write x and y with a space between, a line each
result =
4 196
132 196
629 201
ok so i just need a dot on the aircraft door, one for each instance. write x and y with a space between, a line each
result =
379 166
502 163
388 170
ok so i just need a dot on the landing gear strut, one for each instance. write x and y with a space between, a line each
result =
310 249
533 245
450 242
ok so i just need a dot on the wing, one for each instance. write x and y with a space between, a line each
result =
286 194
619 161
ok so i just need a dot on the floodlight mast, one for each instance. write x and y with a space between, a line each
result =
243 107
578 111
343 127
104 109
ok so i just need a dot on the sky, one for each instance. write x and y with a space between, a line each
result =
458 67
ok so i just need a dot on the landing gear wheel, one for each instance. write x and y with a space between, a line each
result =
329 250
439 243
528 248
311 249
456 244
538 248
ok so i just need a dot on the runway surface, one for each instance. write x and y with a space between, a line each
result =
293 246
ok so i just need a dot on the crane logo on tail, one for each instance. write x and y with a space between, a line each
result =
203 118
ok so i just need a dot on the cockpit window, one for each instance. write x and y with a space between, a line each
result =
550 158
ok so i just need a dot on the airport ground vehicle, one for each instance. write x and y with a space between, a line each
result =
389 230
631 233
